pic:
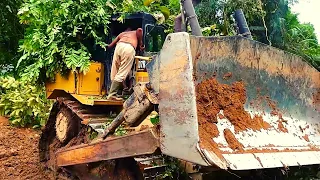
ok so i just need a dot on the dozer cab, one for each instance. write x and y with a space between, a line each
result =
223 103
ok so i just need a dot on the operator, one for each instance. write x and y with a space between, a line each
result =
123 58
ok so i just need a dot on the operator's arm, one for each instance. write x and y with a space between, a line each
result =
114 42
140 36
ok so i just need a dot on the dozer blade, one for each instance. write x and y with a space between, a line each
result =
231 102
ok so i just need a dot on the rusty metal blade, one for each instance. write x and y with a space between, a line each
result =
135 144
267 73
270 76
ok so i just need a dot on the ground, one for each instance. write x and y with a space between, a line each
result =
19 157
19 160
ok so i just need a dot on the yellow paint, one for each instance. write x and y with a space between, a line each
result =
66 84
142 77
95 100
91 83
87 88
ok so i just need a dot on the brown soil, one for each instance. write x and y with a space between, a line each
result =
273 105
206 132
213 97
281 127
19 156
234 144
220 116
206 142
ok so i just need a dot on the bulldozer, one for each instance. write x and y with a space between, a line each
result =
276 124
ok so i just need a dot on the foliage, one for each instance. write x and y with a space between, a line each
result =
150 6
173 169
59 32
6 69
219 13
303 173
11 31
301 39
270 22
155 119
120 131
24 103
56 33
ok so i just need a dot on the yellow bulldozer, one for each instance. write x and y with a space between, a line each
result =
227 103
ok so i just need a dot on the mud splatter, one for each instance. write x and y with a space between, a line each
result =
221 116
227 76
213 97
234 144
281 127
306 137
206 142
316 98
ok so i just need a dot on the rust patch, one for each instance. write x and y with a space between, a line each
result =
234 144
258 102
143 127
274 110
270 60
272 150
198 56
258 159
221 145
316 100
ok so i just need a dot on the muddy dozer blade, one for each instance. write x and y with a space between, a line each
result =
231 102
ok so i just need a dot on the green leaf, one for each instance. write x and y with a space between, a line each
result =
155 120
165 11
36 126
148 2
21 59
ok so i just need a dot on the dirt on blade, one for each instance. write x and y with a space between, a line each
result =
212 97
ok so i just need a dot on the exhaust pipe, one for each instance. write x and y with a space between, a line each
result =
242 25
187 15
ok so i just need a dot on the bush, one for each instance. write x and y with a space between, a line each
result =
24 103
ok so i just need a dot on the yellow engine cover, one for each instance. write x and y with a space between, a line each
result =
78 83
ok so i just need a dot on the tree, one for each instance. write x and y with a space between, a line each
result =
301 39
11 31
270 22
56 31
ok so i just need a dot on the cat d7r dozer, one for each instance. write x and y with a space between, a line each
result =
223 103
